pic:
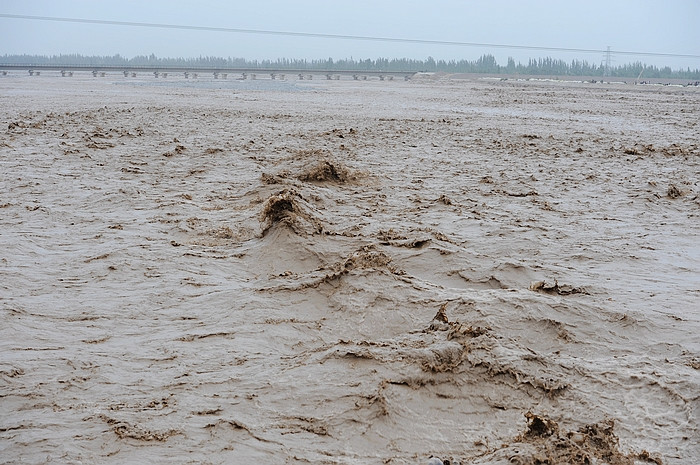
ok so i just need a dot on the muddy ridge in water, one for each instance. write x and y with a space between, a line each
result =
343 272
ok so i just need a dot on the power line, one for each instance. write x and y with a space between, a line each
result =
336 36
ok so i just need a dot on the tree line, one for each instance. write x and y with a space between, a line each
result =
484 64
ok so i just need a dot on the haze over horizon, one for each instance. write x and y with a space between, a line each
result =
632 26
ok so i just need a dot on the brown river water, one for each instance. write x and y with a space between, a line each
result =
340 272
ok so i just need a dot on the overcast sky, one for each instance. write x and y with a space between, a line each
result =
661 26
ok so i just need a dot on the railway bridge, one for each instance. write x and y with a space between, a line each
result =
217 72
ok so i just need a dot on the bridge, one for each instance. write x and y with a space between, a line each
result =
217 72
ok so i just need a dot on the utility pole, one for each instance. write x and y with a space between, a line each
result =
608 62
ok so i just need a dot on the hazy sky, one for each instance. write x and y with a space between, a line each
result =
664 26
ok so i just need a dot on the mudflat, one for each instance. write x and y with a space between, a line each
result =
232 271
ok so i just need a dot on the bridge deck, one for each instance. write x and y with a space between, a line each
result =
195 69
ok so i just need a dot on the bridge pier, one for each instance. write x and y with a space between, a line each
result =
133 74
187 75
216 75
156 74
224 75
381 77
4 73
126 74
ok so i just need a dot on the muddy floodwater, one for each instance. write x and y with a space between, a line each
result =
342 272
